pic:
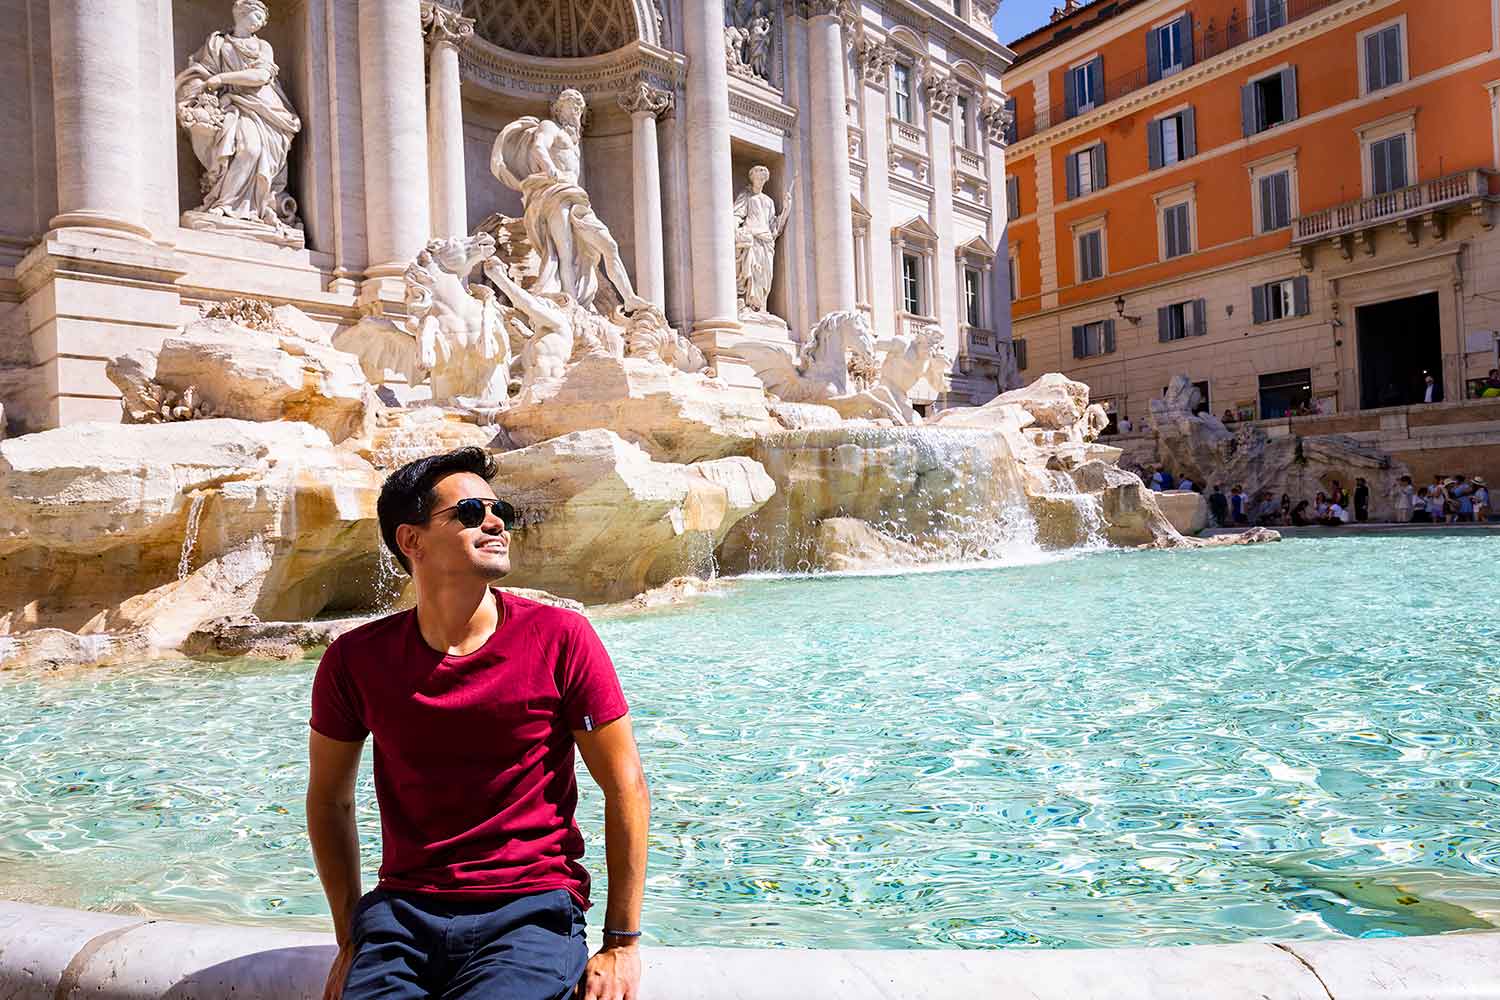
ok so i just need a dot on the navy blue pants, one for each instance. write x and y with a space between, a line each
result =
411 946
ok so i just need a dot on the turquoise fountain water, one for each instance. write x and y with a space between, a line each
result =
1122 748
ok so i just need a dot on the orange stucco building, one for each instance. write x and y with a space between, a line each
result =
1289 201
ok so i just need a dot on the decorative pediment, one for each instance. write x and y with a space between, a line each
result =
915 230
977 247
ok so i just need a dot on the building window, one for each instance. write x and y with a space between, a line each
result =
973 285
1283 392
1087 171
1182 319
1177 230
1012 130
1091 255
1172 139
1382 57
1269 101
1093 339
1278 300
903 92
1018 351
961 122
1012 197
1267 15
1083 87
1015 291
911 283
1171 48
1275 192
1388 165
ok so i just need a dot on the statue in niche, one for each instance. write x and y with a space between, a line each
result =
760 42
757 228
747 39
541 159
241 125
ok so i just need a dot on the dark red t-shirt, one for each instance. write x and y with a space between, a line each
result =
473 754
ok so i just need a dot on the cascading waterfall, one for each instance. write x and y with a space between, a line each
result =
190 537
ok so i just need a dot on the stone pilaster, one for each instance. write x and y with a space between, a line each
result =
645 104
397 192
445 31
828 125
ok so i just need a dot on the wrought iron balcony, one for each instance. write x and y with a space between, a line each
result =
1418 203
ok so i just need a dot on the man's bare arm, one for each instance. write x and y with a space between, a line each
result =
332 767
613 761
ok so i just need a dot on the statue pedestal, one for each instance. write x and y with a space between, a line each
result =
281 236
765 327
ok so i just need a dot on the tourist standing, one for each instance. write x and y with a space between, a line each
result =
1481 500
1402 498
1432 392
1361 500
1238 505
477 700
1420 514
1185 484
1218 506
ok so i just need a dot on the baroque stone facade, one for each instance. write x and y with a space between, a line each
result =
883 116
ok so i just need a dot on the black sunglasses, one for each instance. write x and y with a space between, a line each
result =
470 512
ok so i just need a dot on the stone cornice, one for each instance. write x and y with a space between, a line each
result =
606 76
754 104
1251 51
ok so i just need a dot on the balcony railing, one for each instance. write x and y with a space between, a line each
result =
1418 199
1209 40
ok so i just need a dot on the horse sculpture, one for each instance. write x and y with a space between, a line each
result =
453 334
819 372
913 357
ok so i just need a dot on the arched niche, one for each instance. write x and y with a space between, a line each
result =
563 29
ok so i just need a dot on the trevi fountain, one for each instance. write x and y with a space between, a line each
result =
903 680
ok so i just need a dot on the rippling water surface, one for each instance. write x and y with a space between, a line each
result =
1293 740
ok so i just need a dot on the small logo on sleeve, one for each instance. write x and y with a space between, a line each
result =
588 723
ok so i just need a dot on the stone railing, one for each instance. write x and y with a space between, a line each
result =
969 161
1468 186
47 952
908 135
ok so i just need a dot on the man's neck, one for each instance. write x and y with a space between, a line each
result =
456 617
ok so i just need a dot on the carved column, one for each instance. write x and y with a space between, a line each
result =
97 101
397 197
645 104
828 125
710 194
446 30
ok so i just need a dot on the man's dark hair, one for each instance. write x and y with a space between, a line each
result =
407 496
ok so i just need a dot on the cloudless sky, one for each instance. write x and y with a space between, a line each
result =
1016 17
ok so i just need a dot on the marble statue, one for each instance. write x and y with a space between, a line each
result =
760 43
454 334
241 125
819 371
913 357
757 228
735 41
541 159
747 39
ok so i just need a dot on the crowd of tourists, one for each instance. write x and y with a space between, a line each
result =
1455 499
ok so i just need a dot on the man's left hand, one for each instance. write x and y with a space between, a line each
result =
612 974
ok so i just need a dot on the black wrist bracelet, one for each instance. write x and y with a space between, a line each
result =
624 934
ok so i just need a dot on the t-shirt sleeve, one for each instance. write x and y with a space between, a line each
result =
591 693
335 700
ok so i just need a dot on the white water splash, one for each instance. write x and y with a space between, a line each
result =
190 538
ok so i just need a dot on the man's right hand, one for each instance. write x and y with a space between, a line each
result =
333 989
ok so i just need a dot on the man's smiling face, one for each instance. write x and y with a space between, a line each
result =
446 548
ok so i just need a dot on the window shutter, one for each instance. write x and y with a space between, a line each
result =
1267 204
1096 254
1283 187
1289 93
1153 55
1096 75
1397 147
1078 346
1258 310
1189 134
1185 229
1013 197
1011 129
1101 169
1300 295
1072 170
1018 348
1200 317
1262 17
1153 143
1380 174
1187 40
1374 78
1109 336
1164 324
1248 118
1392 48
1070 93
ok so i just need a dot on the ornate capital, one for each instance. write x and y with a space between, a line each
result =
997 121
644 99
818 8
941 90
875 60
443 25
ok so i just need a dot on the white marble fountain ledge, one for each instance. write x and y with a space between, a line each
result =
48 953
